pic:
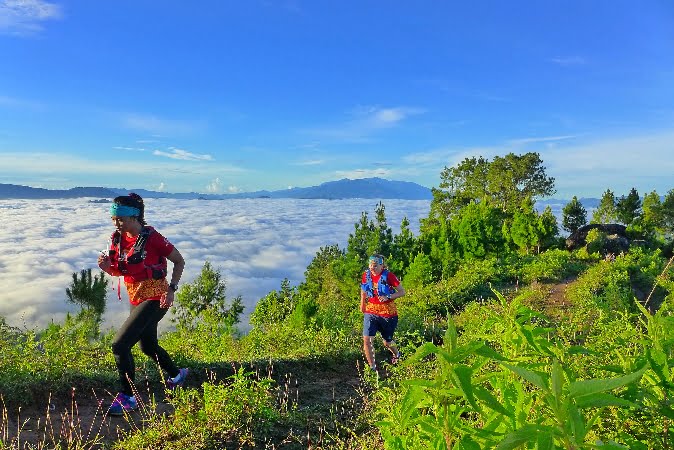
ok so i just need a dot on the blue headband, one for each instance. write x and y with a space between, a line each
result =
117 210
377 259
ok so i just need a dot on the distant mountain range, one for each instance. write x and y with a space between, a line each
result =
345 188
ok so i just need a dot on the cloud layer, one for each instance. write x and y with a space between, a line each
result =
256 243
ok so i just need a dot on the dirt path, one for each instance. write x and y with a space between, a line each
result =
82 419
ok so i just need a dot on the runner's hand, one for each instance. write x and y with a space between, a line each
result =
167 298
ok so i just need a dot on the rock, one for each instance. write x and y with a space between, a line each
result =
613 230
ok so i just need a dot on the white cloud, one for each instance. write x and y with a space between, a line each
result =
620 163
177 153
234 189
581 166
366 121
256 243
161 187
160 126
25 17
214 186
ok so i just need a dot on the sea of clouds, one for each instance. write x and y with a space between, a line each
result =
255 243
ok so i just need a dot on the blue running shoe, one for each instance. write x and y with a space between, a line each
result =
123 403
178 380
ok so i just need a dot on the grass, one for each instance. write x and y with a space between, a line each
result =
290 387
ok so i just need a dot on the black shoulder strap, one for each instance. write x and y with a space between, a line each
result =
144 235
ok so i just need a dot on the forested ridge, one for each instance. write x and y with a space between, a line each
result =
510 338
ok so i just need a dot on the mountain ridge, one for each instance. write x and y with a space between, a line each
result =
340 189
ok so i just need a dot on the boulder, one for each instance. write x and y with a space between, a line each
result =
613 230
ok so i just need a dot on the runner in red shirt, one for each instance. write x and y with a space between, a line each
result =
144 270
379 309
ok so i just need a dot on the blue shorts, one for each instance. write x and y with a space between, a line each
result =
385 325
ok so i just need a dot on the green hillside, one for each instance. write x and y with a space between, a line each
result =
509 339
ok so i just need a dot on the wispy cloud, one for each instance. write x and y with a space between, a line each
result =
19 103
619 163
536 140
366 121
184 155
129 149
311 162
569 61
363 173
160 126
25 17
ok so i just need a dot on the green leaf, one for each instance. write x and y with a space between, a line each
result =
451 335
467 443
600 400
462 352
488 352
580 350
658 362
492 402
462 378
528 433
588 387
536 378
557 380
577 423
545 441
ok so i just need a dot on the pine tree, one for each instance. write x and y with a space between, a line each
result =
628 208
88 292
606 211
205 299
524 230
420 272
652 217
574 215
547 229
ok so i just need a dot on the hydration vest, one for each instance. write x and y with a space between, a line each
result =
134 263
383 288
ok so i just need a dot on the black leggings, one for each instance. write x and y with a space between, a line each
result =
140 326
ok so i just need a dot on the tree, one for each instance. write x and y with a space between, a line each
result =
652 217
478 229
667 210
404 247
574 215
275 307
606 211
513 179
88 292
547 229
505 183
205 299
383 235
628 207
361 241
420 272
319 269
524 229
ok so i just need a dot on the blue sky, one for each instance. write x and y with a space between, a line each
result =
224 96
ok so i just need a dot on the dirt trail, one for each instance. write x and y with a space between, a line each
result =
82 418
